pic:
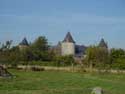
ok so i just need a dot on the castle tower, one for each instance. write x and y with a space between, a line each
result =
68 45
24 44
103 44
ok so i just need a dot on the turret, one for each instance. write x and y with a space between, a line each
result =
103 44
23 44
68 45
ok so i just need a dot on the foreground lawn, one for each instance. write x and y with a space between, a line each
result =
58 82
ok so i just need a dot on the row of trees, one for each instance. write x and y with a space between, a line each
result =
39 50
99 57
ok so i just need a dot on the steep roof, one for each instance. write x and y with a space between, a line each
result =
24 42
68 38
103 43
80 49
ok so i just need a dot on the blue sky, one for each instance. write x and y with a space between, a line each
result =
87 20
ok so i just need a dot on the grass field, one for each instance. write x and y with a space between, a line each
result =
59 82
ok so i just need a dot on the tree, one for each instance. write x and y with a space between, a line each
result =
14 57
97 57
40 48
7 45
117 58
26 56
64 60
5 52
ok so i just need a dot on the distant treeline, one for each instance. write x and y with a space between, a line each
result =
39 51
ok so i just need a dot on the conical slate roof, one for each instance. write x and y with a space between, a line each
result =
24 42
103 43
68 38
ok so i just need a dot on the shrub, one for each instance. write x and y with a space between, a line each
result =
64 60
37 69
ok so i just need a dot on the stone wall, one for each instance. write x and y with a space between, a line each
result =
67 48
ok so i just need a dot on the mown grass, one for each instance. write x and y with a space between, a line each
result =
59 82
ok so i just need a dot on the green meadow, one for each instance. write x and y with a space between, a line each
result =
60 82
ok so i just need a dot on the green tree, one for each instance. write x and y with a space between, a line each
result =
26 56
64 60
14 56
97 57
117 58
40 48
5 51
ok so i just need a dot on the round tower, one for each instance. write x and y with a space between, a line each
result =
68 45
103 44
24 44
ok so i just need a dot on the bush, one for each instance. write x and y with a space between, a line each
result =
64 60
37 69
119 64
117 57
97 57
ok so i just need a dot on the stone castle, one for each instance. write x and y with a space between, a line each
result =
67 47
23 44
